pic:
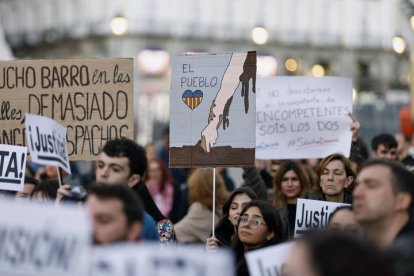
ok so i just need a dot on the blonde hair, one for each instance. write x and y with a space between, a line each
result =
200 188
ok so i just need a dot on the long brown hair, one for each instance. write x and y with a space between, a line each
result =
279 199
200 188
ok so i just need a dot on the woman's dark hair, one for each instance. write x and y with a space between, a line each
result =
165 175
47 188
340 254
279 199
242 190
271 217
344 207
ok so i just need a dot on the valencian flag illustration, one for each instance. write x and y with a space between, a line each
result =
213 106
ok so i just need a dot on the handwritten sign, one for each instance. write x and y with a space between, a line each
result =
149 260
270 260
313 214
47 141
212 107
92 98
41 240
12 167
303 117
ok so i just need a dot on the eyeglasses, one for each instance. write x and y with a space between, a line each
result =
254 223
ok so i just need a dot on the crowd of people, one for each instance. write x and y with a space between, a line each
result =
133 196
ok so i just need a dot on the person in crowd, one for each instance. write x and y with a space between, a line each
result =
383 201
226 226
196 225
123 162
401 254
335 180
335 254
116 214
45 192
30 184
343 219
259 226
385 146
160 186
290 183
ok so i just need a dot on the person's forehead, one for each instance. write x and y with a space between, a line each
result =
112 205
375 172
335 164
120 161
385 147
253 211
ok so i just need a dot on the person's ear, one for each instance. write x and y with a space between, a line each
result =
134 231
134 180
270 236
349 180
403 201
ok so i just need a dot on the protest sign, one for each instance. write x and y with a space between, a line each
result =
12 167
39 240
269 261
149 260
92 98
313 214
47 141
303 117
213 107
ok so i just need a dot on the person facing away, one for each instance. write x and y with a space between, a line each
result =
383 201
116 214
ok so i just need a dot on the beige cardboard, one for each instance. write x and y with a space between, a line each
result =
92 98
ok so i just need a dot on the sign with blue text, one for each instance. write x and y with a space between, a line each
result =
313 214
47 141
303 117
12 167
213 106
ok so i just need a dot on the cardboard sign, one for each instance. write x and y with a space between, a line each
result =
270 260
149 260
213 110
39 240
313 214
47 141
303 117
12 167
92 98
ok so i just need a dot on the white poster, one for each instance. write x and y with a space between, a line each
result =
12 167
47 141
40 240
303 117
313 214
270 260
150 260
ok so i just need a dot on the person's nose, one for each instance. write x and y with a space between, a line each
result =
357 192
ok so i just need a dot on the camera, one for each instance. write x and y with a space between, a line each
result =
77 194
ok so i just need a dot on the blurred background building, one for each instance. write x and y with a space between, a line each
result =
366 40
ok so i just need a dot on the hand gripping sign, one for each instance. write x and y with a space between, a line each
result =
47 141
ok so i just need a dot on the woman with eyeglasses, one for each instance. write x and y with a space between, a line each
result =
225 227
290 183
259 226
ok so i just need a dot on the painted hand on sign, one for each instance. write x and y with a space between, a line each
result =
192 99
219 110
